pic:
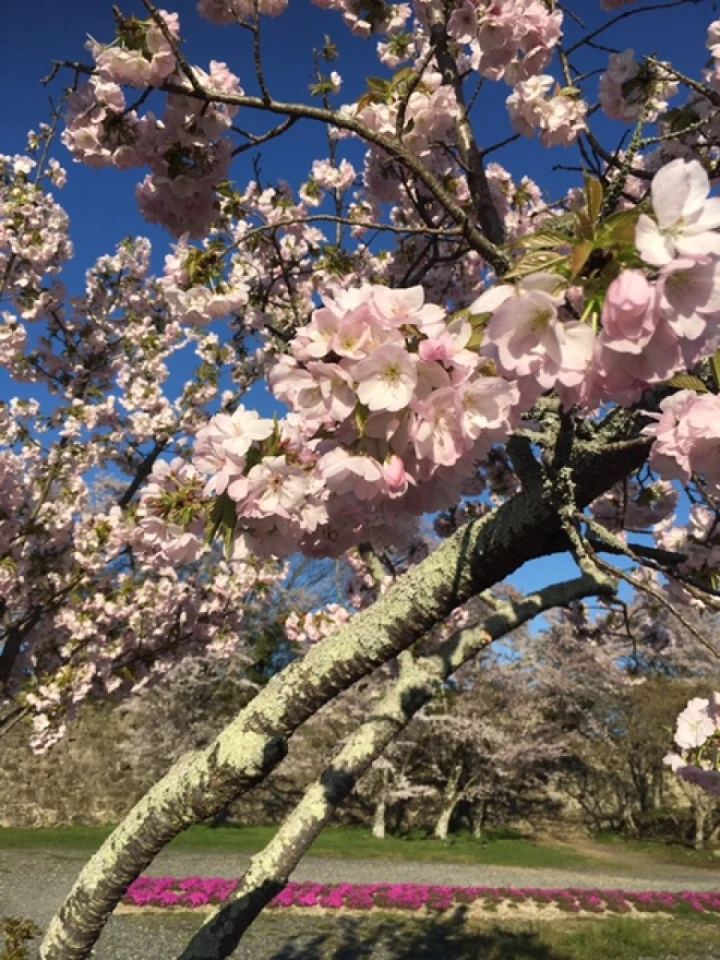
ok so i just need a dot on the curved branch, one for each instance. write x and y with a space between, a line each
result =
418 683
477 557
475 237
624 16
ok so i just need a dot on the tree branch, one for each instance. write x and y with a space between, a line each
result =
474 559
418 683
470 155
475 238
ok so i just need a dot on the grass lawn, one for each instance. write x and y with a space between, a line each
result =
665 852
617 938
620 938
342 842
295 937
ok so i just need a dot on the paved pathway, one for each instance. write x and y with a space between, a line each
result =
33 884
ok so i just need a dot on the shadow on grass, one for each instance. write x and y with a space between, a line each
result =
449 939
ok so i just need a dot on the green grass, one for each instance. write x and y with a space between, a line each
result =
616 938
339 842
621 938
676 853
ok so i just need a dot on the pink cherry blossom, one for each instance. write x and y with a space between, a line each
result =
408 306
628 318
363 477
437 432
386 379
685 219
694 725
526 338
689 296
687 434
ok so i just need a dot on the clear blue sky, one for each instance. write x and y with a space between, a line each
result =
100 202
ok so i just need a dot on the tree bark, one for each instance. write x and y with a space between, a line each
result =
419 682
700 820
629 824
451 797
378 825
442 826
478 820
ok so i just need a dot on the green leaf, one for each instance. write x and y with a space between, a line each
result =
545 239
362 414
715 367
579 257
478 322
330 51
594 196
537 261
618 229
686 381
585 226
403 76
223 518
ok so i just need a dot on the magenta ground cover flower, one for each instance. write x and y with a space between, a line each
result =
193 892
169 891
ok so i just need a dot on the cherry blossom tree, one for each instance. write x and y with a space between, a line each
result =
539 375
490 746
611 682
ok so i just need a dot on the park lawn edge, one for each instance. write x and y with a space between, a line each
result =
470 913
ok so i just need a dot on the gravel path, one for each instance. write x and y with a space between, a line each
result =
33 884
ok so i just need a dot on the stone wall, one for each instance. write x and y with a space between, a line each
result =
82 780
99 770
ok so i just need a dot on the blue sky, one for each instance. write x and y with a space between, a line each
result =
100 202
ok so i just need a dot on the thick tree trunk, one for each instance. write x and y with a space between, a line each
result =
378 826
628 819
700 820
451 798
713 838
658 789
442 826
478 819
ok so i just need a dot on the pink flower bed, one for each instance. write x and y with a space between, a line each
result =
169 892
201 892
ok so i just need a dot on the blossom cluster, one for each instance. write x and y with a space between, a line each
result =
142 55
97 585
512 40
195 892
313 626
697 736
652 323
628 90
393 401
559 117
388 405
636 507
225 12
697 546
186 149
686 438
